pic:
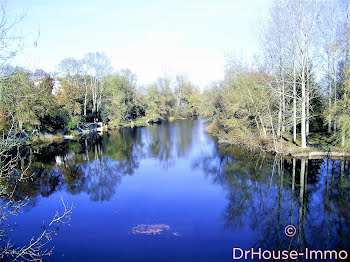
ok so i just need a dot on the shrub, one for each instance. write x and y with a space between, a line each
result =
70 125
74 133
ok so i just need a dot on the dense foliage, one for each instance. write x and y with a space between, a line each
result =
87 90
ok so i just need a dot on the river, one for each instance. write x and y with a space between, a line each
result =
170 192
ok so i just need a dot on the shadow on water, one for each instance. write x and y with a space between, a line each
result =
264 194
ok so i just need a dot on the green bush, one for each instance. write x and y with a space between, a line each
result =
33 140
70 125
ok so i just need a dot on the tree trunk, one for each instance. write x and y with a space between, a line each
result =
272 127
303 52
335 92
283 99
279 130
303 109
263 126
85 99
329 94
307 131
294 99
343 139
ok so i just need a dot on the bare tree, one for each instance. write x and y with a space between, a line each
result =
307 16
10 41
275 39
37 247
98 67
129 76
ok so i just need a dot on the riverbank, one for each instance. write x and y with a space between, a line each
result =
319 146
76 133
42 139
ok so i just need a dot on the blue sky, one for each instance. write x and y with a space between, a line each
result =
149 37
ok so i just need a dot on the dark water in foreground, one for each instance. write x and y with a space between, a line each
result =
170 193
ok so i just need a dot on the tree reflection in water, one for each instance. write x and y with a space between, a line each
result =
96 165
271 193
167 142
160 144
264 192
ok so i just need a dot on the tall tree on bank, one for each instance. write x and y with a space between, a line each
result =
98 66
307 16
329 25
345 101
275 41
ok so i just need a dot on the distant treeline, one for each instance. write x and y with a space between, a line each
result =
296 87
87 90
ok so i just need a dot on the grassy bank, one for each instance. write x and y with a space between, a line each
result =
320 145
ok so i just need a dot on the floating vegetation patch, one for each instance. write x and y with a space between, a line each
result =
150 229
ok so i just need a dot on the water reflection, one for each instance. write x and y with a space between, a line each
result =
168 142
270 193
96 165
263 193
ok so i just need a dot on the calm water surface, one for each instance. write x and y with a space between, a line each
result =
204 199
